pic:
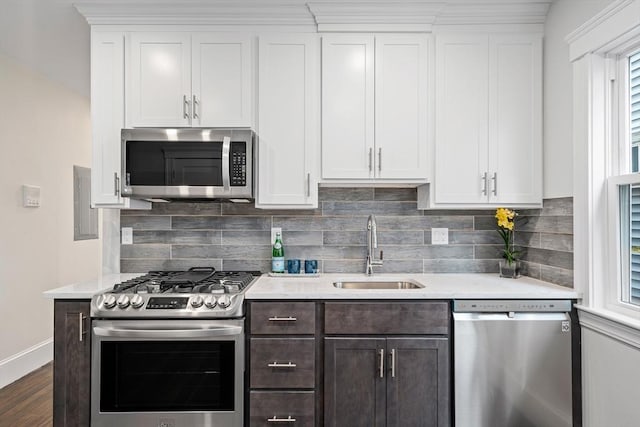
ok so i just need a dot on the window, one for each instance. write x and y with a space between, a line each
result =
624 188
634 120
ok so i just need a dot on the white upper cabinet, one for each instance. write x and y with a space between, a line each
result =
515 119
189 79
374 107
488 147
159 82
221 80
401 117
461 119
288 121
107 119
347 106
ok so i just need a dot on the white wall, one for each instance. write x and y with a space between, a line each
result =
45 129
610 381
564 17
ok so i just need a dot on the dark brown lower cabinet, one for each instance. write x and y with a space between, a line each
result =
71 363
391 381
296 408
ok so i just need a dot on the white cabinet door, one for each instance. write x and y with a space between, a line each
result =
107 115
221 80
515 114
401 113
107 119
159 80
288 121
347 106
461 148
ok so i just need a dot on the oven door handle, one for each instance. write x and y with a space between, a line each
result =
168 332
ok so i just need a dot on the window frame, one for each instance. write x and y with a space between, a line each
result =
620 174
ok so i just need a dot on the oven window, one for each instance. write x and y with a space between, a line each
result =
167 376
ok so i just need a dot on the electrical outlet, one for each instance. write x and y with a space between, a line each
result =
275 230
439 236
127 236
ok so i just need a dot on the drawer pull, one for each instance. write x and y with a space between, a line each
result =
275 419
282 365
282 319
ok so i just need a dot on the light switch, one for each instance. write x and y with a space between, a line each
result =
30 196
127 236
439 236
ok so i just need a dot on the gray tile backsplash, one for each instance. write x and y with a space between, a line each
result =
229 236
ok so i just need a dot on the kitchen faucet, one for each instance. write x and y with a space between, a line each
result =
372 243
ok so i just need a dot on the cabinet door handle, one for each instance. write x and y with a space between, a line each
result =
195 107
484 184
370 159
379 159
81 331
185 107
308 185
282 319
275 419
393 363
381 351
282 365
495 183
116 183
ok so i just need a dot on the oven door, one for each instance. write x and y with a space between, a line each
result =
167 373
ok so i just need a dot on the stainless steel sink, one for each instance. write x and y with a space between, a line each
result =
391 284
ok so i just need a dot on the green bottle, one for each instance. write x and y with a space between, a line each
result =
277 256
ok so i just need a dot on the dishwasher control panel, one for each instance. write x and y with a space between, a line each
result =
502 306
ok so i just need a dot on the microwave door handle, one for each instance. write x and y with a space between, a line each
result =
226 178
167 333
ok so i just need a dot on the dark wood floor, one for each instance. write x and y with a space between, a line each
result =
28 402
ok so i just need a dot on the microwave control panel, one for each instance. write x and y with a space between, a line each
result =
238 164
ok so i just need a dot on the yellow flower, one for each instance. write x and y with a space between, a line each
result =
505 218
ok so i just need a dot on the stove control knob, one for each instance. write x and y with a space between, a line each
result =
137 301
224 301
109 301
123 301
196 301
210 301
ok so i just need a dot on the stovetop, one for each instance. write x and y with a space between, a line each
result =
195 280
200 292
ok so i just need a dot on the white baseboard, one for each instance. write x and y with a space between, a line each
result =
17 366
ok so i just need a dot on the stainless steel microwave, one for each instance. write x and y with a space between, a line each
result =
191 163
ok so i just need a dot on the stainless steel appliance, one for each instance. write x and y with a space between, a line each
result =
168 350
188 163
512 364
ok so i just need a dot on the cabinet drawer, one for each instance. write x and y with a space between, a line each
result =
282 363
387 318
283 318
267 407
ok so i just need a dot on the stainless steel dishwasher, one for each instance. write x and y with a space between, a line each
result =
512 363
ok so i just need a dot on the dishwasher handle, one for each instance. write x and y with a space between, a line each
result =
510 316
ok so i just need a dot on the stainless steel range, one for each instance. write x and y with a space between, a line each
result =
196 293
168 350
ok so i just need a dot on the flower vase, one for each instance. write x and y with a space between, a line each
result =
510 270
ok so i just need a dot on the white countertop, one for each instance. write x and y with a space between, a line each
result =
436 286
87 289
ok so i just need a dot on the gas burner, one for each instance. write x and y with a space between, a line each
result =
199 292
183 288
209 288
